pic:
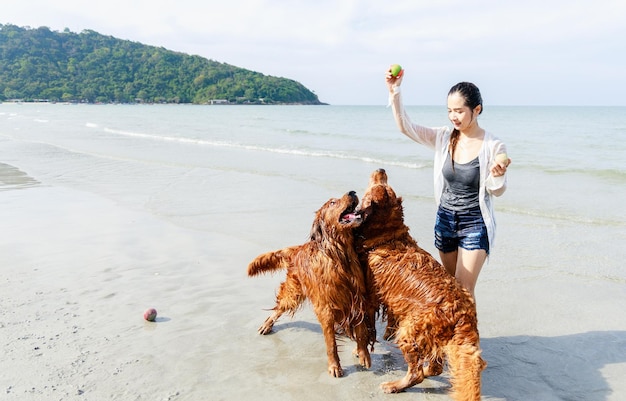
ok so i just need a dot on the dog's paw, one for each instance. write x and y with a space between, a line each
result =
365 360
335 371
265 328
390 387
268 324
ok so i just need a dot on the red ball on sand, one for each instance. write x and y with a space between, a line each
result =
150 314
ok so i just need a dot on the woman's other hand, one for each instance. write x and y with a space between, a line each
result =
499 167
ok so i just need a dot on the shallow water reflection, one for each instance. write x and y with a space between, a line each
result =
14 178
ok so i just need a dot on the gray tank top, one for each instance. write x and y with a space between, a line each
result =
460 186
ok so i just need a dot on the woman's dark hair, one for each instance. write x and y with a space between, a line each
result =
471 95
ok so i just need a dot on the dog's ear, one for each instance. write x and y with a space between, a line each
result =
317 229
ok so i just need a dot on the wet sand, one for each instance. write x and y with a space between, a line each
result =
78 270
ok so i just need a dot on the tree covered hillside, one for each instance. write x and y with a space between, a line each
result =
40 64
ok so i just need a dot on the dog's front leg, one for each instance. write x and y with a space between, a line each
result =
268 324
328 329
362 334
392 326
414 374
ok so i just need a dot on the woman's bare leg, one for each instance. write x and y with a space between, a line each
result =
449 261
468 266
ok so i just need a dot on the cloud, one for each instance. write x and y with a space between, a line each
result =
526 52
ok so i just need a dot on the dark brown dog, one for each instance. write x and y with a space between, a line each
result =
325 270
430 314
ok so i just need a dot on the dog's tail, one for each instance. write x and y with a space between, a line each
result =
466 366
268 262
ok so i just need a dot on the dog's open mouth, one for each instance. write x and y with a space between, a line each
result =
349 215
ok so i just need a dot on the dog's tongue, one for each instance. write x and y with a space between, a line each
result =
348 217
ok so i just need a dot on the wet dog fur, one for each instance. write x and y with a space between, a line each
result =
326 271
430 315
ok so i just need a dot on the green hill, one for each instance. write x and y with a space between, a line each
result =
40 64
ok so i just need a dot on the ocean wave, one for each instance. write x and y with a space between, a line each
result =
611 174
570 218
606 173
260 148
350 136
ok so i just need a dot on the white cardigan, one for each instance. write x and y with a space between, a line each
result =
438 139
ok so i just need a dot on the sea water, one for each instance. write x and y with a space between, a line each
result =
224 168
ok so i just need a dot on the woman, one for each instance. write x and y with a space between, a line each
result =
469 169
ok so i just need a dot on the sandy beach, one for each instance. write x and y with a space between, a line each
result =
78 270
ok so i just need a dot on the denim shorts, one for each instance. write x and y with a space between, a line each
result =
465 229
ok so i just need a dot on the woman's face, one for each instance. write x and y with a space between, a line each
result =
459 114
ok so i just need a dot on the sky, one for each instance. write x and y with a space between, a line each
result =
532 52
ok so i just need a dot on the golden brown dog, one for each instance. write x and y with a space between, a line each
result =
430 314
325 270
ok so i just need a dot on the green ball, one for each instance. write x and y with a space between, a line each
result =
395 70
